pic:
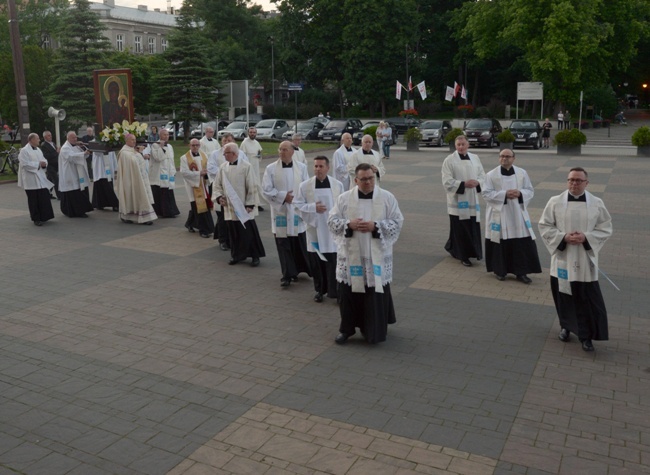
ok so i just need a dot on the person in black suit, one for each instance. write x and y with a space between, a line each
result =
51 154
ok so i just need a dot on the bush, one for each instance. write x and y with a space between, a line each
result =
453 133
506 137
570 137
641 137
413 135
496 108
483 112
372 131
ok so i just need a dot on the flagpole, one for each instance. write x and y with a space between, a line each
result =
408 92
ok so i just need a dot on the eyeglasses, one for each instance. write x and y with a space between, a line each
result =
506 156
576 180
367 179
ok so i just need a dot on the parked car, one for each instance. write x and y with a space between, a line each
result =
402 124
271 128
434 131
309 130
238 129
200 130
252 118
337 127
528 133
483 132
356 138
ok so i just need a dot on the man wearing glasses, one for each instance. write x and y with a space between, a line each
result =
509 238
574 226
366 222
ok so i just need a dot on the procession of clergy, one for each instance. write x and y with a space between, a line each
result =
339 226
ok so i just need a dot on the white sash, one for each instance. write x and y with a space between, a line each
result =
355 265
281 184
310 194
235 201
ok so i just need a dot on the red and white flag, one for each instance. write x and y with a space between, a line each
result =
463 93
423 90
449 96
456 88
398 90
410 84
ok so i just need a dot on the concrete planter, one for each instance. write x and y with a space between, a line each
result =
506 145
564 149
643 151
412 146
452 147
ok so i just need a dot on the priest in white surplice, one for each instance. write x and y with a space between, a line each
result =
509 238
280 184
215 160
235 190
574 227
208 143
366 155
314 201
341 158
32 179
162 177
194 168
298 153
253 150
104 167
366 222
463 177
73 178
132 185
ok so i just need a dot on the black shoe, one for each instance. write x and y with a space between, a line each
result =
148 223
565 335
38 223
52 197
255 262
204 235
500 277
342 338
224 247
83 215
233 261
318 297
127 221
189 228
466 262
294 278
259 208
285 282
115 208
524 278
587 345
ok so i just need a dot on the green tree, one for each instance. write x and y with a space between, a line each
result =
36 62
83 48
186 81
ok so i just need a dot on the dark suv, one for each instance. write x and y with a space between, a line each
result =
483 132
528 133
337 127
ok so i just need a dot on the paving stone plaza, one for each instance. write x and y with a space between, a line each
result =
129 349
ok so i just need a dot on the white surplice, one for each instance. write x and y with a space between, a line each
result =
73 169
275 194
31 176
104 166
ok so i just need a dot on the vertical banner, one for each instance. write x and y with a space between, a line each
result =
449 96
423 90
463 93
113 96
398 91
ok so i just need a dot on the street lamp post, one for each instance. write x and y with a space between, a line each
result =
272 40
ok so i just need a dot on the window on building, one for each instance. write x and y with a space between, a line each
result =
152 45
163 44
46 42
119 42
138 44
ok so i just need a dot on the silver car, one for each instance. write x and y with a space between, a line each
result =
434 131
271 128
238 129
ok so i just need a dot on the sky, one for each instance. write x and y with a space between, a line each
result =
162 4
